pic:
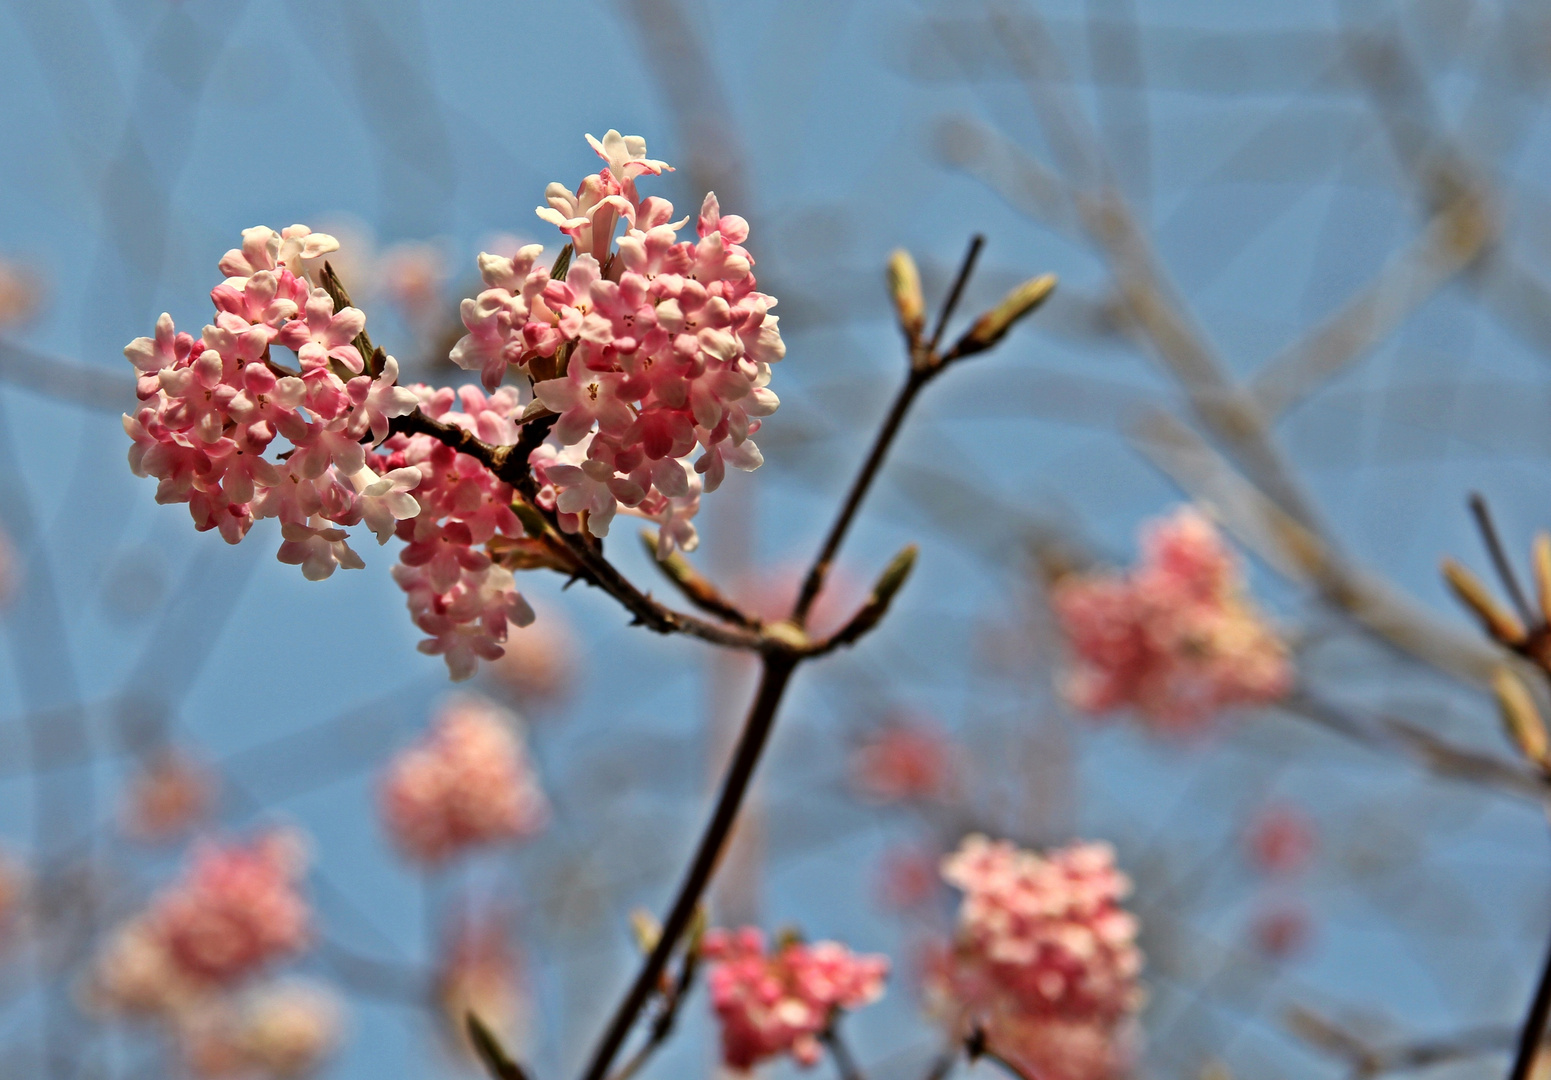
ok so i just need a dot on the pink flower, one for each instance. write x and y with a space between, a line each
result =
1176 639
585 398
538 662
287 1029
480 972
467 783
1282 929
902 762
225 430
781 1002
1045 959
264 249
235 911
325 335
1281 840
171 795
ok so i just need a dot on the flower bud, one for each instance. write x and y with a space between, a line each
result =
1520 716
1542 560
991 327
1498 621
905 290
889 582
646 930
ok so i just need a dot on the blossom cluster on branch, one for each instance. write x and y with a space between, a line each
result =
1177 638
1045 961
648 361
781 1001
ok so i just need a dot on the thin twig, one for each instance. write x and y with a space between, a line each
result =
1500 562
1534 1028
951 301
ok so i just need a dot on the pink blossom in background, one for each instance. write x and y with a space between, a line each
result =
236 910
1281 840
412 276
1176 638
1282 928
780 1002
907 878
134 974
170 795
1045 959
902 761
537 665
13 899
21 293
480 971
467 783
282 1030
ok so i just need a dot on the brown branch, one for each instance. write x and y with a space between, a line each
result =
778 665
510 464
845 1061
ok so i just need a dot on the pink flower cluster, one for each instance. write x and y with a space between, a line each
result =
467 783
283 1030
235 912
903 761
213 407
656 348
171 794
463 601
781 1002
1281 843
1176 638
1045 960
481 973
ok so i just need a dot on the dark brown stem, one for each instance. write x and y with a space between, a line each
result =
951 302
662 1026
778 666
1534 1025
1504 568
813 584
845 1061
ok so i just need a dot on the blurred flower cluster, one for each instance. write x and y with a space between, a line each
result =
1176 639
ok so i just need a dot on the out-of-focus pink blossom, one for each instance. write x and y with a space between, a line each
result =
1176 638
907 878
903 761
1282 929
539 660
171 794
282 1030
1045 959
1281 841
412 275
467 783
21 293
236 910
481 972
780 1002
